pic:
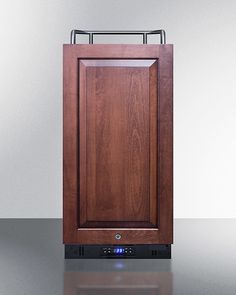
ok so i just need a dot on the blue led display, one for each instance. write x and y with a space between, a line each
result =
118 250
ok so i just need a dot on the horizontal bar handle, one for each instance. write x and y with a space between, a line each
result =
143 33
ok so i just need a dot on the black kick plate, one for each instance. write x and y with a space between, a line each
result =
75 251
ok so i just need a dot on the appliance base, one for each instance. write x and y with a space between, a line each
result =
75 251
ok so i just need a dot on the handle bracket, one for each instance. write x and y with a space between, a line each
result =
143 33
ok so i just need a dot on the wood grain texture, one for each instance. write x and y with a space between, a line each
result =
165 143
117 143
156 174
70 146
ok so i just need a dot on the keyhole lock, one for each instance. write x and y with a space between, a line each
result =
118 236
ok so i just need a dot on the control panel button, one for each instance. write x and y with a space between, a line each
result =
118 251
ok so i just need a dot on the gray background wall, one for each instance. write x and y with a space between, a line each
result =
31 38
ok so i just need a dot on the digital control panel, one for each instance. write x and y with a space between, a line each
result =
118 251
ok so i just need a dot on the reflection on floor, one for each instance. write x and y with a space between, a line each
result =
133 277
32 262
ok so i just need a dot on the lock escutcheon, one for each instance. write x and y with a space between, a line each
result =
118 236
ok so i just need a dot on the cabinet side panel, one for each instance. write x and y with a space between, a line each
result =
70 165
165 143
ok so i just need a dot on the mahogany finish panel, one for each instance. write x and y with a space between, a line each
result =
117 147
115 140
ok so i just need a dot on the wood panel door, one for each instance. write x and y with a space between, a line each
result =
117 144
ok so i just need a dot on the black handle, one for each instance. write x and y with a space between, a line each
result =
143 33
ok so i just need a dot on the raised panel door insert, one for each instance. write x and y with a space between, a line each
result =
117 143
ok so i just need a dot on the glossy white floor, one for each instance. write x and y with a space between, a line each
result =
203 262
